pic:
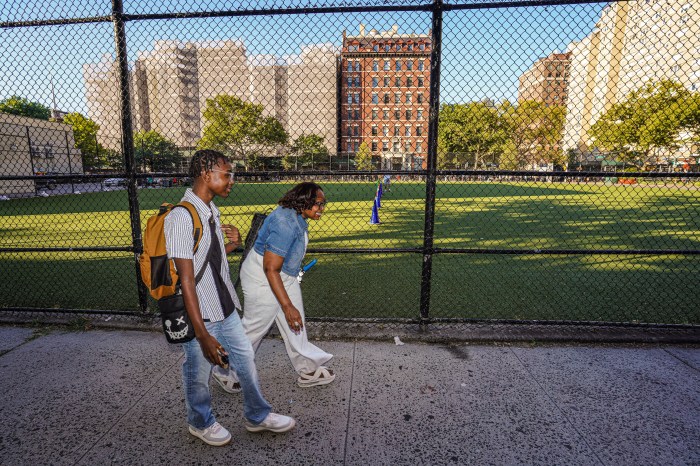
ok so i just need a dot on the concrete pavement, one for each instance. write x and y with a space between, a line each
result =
115 397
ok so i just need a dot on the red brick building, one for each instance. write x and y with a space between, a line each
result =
384 93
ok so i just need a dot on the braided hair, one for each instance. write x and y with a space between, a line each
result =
301 197
205 160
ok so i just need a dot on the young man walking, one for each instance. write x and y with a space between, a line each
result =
211 304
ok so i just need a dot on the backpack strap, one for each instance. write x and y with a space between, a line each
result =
196 223
197 236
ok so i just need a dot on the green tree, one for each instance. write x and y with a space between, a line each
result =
534 132
16 105
154 152
469 134
651 117
306 151
363 157
240 129
85 135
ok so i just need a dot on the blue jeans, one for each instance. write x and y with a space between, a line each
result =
196 371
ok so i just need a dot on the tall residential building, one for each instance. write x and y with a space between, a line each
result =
312 94
268 85
222 69
546 80
632 44
103 100
385 82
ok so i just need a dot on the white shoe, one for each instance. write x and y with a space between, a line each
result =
273 422
227 380
215 434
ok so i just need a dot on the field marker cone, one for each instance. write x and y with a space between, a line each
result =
375 214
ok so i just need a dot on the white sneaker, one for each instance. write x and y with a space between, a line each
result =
226 379
215 434
273 422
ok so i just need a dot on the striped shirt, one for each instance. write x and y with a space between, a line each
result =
179 244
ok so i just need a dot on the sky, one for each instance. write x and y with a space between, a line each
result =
483 52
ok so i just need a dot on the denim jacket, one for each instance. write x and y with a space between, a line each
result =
284 233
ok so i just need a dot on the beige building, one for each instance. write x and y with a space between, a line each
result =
268 85
222 69
169 103
632 44
103 100
312 94
546 81
29 147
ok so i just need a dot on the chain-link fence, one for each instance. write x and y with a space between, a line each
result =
538 161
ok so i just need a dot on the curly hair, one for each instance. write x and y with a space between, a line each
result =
204 161
301 197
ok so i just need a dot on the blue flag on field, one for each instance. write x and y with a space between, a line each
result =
375 214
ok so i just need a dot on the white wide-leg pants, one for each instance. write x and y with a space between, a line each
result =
261 310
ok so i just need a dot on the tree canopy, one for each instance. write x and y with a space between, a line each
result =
306 149
654 116
85 135
240 129
153 152
16 105
363 157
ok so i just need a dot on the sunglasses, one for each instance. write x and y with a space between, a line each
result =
231 175
321 204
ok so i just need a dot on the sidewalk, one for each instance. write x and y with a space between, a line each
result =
115 397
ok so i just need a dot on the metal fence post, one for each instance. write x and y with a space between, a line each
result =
431 163
128 143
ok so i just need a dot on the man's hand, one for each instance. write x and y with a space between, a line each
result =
232 234
211 348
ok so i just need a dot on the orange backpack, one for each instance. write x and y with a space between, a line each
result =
157 271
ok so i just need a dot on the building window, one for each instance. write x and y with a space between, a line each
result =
420 65
349 66
375 65
397 114
398 65
375 130
374 113
348 147
356 145
419 131
356 130
419 146
357 114
349 114
419 98
356 98
407 131
399 47
386 97
408 114
397 81
385 146
421 46
386 81
397 130
419 114
387 65
385 130
375 82
409 65
357 66
375 98
408 98
407 146
409 81
349 81
374 146
421 81
397 98
410 47
396 146
375 47
387 48
357 81
349 98
385 114
352 48
349 131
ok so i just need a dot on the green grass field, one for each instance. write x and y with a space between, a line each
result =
627 288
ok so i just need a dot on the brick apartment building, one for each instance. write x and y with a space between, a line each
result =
385 82
546 81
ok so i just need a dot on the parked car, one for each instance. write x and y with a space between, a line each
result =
46 181
114 182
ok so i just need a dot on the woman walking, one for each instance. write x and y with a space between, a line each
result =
271 289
